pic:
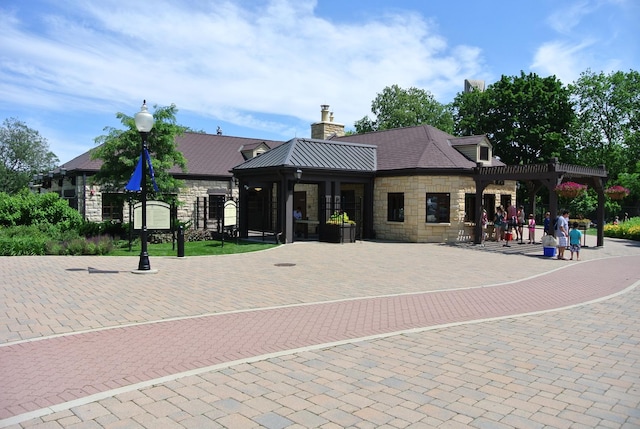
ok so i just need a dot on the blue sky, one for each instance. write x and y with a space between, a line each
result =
262 68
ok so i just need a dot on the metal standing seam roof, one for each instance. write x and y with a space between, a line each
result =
320 154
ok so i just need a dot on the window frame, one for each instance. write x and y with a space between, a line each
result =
395 207
442 199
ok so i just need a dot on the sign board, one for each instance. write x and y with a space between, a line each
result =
158 215
230 210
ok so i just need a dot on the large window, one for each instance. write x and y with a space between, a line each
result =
395 204
438 208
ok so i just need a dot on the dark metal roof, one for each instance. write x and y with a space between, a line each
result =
317 154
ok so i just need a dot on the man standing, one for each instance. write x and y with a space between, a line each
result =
562 233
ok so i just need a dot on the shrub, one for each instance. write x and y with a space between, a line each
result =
23 240
629 230
27 208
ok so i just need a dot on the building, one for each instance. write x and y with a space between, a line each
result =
414 184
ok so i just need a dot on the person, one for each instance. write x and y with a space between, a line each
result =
626 217
575 236
521 223
512 218
484 221
297 215
616 220
562 233
531 226
547 224
498 223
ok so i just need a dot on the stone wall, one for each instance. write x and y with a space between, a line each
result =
414 228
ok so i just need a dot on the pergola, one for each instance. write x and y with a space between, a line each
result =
537 176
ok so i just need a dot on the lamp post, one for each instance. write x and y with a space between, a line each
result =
144 124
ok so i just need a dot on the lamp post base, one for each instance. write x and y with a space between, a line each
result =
144 271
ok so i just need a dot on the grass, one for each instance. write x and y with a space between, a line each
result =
193 248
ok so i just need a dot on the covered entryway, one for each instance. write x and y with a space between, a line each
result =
320 177
538 176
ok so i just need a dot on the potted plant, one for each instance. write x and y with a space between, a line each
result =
616 192
340 229
570 189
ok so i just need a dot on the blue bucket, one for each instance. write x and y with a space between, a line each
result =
549 251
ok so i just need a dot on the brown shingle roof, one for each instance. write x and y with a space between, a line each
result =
206 154
419 147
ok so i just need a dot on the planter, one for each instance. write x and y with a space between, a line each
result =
569 194
616 192
339 233
570 189
617 196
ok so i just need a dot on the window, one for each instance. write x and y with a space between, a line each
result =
395 204
112 205
484 153
469 207
438 207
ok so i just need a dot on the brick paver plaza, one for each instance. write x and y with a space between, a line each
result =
315 335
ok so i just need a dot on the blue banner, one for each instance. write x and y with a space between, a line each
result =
135 183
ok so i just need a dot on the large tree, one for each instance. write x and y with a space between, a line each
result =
23 152
396 107
119 151
527 118
608 120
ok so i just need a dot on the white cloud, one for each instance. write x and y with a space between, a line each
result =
564 60
272 57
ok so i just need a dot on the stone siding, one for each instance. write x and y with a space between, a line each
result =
415 228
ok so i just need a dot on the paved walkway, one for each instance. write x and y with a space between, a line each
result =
318 335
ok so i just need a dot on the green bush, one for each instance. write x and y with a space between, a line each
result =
27 208
96 229
23 240
629 230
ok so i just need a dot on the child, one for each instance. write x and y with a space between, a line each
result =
574 241
532 229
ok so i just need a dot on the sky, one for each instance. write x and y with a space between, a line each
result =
262 68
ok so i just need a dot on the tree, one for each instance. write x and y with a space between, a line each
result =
527 118
608 120
23 152
396 107
119 151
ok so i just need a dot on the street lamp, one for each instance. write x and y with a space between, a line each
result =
144 124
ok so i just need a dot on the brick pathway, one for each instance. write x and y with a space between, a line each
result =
39 374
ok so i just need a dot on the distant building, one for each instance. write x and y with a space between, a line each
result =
473 84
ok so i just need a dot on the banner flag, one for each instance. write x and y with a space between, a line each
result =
136 178
151 173
135 183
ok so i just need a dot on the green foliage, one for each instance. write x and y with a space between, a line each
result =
119 151
23 240
527 118
95 229
608 120
396 107
629 230
23 152
27 208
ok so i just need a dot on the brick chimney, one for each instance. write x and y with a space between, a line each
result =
326 128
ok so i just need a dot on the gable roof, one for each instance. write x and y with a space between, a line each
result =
419 147
470 141
206 154
316 154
